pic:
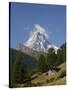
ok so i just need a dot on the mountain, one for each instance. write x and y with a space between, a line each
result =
24 49
38 40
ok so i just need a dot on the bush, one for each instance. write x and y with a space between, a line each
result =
62 73
51 79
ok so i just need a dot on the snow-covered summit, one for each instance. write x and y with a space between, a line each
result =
38 39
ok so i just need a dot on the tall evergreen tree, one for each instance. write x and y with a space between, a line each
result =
51 58
61 54
42 63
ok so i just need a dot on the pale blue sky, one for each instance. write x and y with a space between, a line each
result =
23 17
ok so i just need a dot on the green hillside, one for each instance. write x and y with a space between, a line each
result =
40 69
41 79
30 63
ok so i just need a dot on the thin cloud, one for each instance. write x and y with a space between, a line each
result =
26 28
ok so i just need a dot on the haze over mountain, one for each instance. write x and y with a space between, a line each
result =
38 40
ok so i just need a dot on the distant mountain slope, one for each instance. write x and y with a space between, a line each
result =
21 47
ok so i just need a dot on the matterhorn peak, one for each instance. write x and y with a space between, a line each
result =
37 35
38 39
39 29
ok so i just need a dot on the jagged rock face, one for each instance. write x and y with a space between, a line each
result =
38 40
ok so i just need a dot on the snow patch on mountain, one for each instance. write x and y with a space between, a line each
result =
38 40
37 32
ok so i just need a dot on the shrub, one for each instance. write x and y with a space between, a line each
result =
62 73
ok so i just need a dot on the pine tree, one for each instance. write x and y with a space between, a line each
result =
42 63
51 58
61 54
